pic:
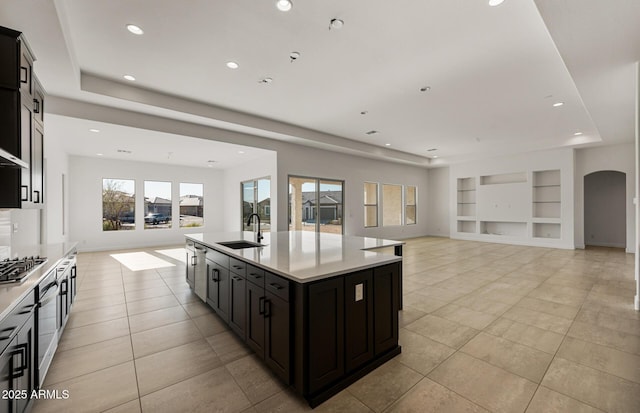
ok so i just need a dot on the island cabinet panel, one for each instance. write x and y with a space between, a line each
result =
237 304
277 348
218 289
358 319
191 263
255 317
386 285
326 338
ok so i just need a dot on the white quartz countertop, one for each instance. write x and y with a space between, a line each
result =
304 256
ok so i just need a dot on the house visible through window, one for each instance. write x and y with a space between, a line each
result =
256 198
157 205
191 205
118 204
315 205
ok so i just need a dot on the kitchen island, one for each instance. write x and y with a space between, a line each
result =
321 310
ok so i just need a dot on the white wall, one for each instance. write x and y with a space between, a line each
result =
605 209
259 168
57 169
619 158
438 202
527 163
354 171
85 200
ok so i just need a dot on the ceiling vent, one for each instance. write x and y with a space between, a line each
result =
372 132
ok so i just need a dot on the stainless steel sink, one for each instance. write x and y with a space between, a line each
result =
236 245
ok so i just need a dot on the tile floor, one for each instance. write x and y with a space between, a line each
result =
486 327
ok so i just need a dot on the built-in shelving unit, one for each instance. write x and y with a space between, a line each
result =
466 205
509 229
546 204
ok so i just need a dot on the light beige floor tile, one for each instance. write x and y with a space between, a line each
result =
535 337
516 358
559 294
483 305
228 346
422 303
197 308
603 358
605 336
81 304
147 293
465 316
210 324
168 367
593 387
538 319
94 392
97 315
163 338
151 304
99 292
380 388
254 378
549 307
491 387
88 359
214 391
343 402
420 353
130 407
622 324
157 318
430 397
187 296
91 284
408 315
442 294
443 331
286 402
93 333
144 284
549 401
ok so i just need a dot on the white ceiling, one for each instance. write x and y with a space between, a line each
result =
494 72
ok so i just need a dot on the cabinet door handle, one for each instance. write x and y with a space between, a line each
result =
27 309
215 275
36 106
63 284
37 201
267 308
22 351
193 260
25 191
276 286
261 306
74 272
24 71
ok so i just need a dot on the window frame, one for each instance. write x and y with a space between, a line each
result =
376 205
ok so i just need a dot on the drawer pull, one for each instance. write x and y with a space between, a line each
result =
235 278
36 106
237 267
8 332
276 286
254 275
24 71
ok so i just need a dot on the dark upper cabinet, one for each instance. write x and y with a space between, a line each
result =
21 124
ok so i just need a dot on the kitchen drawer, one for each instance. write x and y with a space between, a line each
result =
238 267
255 275
277 285
218 257
10 325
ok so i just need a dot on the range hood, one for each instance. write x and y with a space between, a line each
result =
10 161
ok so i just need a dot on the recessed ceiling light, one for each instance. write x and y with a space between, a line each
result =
284 5
557 104
135 29
294 56
577 134
494 3
129 78
99 154
94 130
232 65
336 24
387 144
435 156
240 152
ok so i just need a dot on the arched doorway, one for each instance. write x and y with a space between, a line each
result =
605 209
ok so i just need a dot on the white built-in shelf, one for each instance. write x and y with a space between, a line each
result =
547 196
546 230
509 229
468 227
511 178
466 199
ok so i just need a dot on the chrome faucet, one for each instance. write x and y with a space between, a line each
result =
259 237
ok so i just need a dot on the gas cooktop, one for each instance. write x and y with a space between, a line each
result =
17 269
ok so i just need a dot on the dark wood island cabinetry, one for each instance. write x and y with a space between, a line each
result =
317 334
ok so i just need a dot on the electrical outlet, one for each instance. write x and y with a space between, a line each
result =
15 227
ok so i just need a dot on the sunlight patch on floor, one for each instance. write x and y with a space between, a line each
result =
138 261
177 254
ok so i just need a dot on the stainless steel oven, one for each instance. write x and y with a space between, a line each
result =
48 320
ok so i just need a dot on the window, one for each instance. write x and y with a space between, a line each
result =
256 199
391 205
370 204
157 205
410 205
118 205
315 205
191 205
